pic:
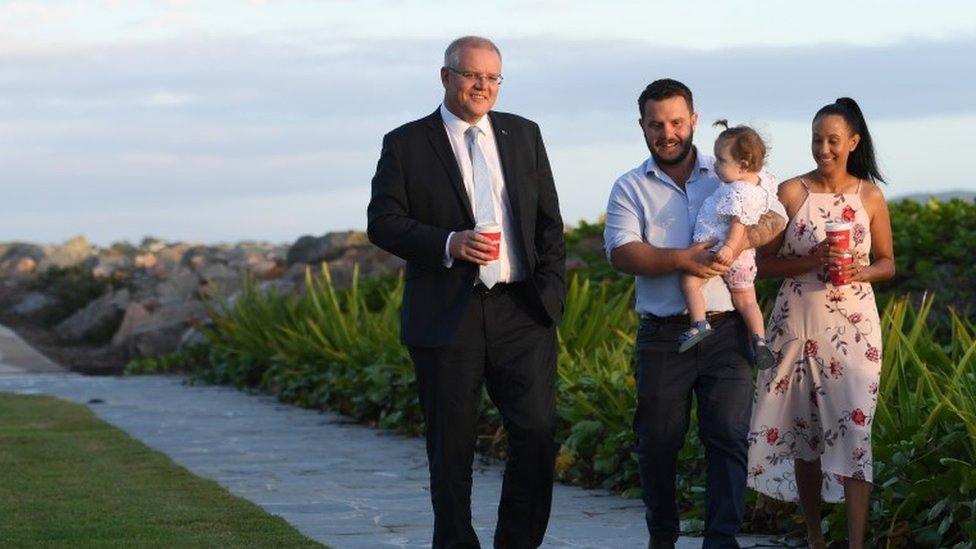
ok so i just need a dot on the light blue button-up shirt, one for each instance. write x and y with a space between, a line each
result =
647 206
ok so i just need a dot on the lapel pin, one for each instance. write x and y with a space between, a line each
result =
504 131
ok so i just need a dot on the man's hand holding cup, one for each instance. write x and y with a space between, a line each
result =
479 246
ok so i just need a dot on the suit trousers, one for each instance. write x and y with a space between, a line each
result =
719 373
499 343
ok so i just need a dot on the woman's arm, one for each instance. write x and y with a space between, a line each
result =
882 247
791 193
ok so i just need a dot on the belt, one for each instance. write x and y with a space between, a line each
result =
712 317
497 289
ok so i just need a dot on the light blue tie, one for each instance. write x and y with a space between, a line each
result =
484 200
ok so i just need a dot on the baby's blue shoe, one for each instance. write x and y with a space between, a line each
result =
763 357
692 336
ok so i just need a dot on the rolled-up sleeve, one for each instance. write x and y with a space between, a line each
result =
623 219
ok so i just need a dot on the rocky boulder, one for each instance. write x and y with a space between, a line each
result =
169 255
159 332
181 286
33 302
218 280
312 249
152 244
264 261
134 314
20 260
197 257
370 260
97 320
71 253
107 263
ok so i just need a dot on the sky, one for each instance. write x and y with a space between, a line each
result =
218 120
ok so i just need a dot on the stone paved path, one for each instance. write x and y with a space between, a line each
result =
339 483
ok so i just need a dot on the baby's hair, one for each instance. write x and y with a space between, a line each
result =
747 146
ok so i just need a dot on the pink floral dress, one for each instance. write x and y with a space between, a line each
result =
819 400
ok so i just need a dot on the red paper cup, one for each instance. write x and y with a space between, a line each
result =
493 231
839 235
835 270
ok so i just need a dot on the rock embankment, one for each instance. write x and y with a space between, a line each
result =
144 300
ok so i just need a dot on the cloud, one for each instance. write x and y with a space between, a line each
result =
193 122
917 78
167 99
27 14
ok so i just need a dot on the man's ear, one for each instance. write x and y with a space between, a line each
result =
444 76
694 121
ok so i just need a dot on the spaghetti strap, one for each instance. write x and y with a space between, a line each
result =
804 183
859 181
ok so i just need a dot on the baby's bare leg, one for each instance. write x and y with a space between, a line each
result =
692 287
744 300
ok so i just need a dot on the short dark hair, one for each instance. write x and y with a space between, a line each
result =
747 146
862 161
664 88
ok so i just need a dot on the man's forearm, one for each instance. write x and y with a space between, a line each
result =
640 258
768 227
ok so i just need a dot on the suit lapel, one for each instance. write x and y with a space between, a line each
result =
438 140
507 154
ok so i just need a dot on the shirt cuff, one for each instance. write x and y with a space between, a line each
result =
448 261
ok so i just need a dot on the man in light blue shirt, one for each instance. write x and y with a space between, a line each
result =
650 221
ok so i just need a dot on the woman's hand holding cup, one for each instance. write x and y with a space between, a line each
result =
841 264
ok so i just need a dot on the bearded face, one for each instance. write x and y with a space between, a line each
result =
669 129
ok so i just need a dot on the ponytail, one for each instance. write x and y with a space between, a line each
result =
861 162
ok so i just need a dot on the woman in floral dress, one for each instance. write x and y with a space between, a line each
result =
810 435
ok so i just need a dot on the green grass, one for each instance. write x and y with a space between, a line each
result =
70 479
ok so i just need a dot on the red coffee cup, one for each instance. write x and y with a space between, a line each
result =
493 231
836 270
839 236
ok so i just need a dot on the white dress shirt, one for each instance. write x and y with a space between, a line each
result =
511 266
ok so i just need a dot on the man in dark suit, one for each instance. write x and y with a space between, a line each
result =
467 319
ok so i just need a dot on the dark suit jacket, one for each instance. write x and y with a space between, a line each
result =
419 198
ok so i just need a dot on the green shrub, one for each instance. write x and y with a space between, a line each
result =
189 359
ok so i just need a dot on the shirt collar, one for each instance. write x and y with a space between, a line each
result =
703 166
457 126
